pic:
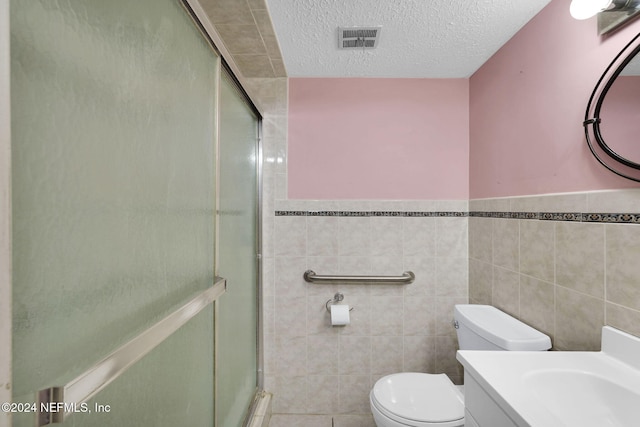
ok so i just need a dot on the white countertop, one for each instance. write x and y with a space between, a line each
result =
563 388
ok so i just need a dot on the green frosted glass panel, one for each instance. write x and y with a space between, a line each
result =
237 309
113 123
169 387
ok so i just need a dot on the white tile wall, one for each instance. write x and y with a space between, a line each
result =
565 278
315 368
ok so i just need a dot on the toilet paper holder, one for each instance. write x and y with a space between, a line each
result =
338 297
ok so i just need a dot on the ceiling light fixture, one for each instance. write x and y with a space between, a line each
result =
611 13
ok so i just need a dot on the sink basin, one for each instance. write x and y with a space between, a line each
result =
584 398
561 388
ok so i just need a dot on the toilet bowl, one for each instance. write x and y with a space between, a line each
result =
417 400
411 399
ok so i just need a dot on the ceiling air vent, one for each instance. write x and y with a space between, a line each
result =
358 37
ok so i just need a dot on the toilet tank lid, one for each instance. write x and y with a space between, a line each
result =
500 328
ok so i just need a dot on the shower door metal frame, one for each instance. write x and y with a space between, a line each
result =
5 213
237 84
209 32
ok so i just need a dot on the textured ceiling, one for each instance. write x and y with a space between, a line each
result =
419 38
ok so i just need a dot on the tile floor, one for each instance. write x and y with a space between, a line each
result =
282 420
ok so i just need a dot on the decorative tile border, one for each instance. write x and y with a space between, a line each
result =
372 213
616 218
507 215
561 216
627 218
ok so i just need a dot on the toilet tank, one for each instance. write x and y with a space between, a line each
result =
483 327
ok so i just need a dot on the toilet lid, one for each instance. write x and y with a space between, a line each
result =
420 397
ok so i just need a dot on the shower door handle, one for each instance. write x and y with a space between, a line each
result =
55 404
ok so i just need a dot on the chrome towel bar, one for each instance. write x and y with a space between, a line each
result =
406 278
60 401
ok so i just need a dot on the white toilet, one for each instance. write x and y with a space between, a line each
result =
411 399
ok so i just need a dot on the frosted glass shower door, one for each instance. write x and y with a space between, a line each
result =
113 152
236 372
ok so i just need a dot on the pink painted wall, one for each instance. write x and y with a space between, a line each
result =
369 138
527 104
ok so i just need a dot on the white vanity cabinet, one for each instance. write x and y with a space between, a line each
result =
480 409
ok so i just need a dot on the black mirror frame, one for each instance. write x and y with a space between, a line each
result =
616 163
